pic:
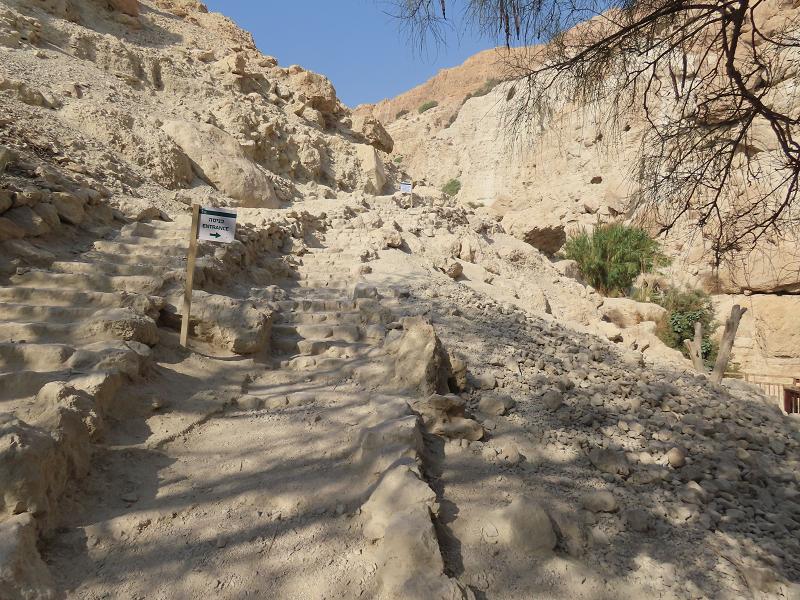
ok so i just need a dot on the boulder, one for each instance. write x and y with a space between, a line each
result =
552 399
543 231
610 461
9 230
624 312
235 325
5 201
394 439
28 221
374 174
400 490
317 90
392 239
7 156
521 528
69 207
495 405
220 160
420 361
676 457
33 470
459 428
373 131
452 268
48 213
23 573
599 501
439 406
409 561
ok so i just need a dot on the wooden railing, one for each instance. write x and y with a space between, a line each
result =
771 384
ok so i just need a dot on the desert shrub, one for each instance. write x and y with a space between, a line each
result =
452 187
428 105
451 120
684 309
613 255
398 159
487 87
401 113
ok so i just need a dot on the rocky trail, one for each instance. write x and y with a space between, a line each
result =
344 453
384 396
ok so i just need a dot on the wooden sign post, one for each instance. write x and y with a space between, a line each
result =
187 293
211 225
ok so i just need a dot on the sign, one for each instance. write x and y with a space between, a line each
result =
216 225
406 187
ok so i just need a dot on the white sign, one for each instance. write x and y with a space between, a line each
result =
406 187
216 225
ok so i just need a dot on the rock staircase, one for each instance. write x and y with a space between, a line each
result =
330 322
70 336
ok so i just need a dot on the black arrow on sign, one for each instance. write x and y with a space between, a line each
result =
215 235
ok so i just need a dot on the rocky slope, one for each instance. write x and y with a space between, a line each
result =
578 171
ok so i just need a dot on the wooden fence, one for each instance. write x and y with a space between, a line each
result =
772 385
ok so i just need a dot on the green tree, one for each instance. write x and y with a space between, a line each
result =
613 255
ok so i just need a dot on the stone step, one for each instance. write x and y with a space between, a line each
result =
84 299
322 367
181 221
327 284
325 275
328 317
108 268
134 259
157 230
99 283
139 249
302 292
339 254
112 324
324 258
36 312
33 357
343 333
317 305
20 384
164 241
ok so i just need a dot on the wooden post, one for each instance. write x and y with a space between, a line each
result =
190 260
725 347
696 348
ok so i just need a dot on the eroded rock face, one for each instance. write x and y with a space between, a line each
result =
542 231
219 159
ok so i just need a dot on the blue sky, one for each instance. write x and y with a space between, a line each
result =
355 43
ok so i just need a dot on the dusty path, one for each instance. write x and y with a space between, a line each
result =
258 500
305 476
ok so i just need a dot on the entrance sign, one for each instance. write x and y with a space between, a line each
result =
217 225
211 224
406 187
